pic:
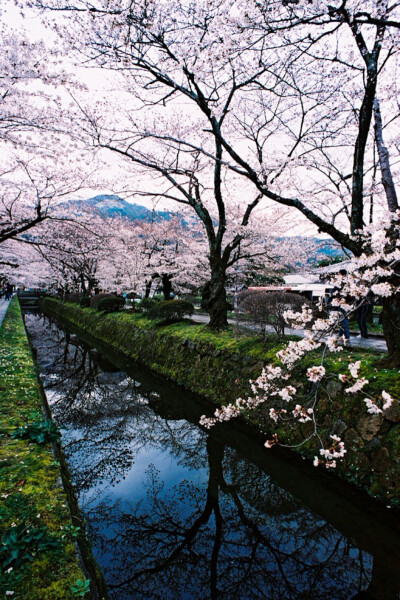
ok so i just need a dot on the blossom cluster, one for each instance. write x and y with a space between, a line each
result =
273 381
329 456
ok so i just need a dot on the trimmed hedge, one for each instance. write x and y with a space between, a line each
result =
75 297
170 310
148 303
85 302
109 305
94 300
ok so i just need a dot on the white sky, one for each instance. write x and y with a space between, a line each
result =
101 81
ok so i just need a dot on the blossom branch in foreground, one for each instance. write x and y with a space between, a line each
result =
373 273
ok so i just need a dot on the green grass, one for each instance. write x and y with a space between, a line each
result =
37 552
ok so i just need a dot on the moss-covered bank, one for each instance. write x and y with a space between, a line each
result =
39 531
219 365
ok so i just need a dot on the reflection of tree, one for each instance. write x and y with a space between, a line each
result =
234 550
105 412
232 533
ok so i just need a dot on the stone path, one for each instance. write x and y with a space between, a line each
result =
3 308
376 344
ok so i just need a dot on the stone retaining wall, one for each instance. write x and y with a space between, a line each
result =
221 375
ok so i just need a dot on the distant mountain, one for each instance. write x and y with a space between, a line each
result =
329 248
114 206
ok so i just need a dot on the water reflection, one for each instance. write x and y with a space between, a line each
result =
175 512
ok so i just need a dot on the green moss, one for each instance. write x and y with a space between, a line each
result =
29 488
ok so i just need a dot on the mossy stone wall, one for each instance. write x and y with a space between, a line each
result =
219 366
190 357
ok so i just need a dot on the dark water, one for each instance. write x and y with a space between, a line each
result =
174 512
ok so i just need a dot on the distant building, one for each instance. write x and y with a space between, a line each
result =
307 284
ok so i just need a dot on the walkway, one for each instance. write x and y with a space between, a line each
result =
376 344
3 308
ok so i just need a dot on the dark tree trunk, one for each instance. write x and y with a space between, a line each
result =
365 117
387 179
167 286
83 283
391 329
148 288
214 298
205 295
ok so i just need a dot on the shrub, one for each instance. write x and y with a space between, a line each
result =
170 310
111 304
94 300
148 303
75 297
85 302
267 308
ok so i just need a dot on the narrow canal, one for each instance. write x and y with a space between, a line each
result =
174 512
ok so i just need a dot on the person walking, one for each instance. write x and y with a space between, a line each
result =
9 290
361 316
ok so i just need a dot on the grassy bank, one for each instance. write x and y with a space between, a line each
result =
38 557
218 366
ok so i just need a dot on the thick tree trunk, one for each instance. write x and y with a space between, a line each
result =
391 329
387 179
365 117
83 284
148 288
167 286
214 298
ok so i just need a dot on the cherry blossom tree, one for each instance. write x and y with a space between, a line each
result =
289 403
40 166
282 96
78 253
294 103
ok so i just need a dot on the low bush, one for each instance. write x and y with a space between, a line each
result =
39 431
94 300
148 303
85 302
75 297
111 304
170 310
